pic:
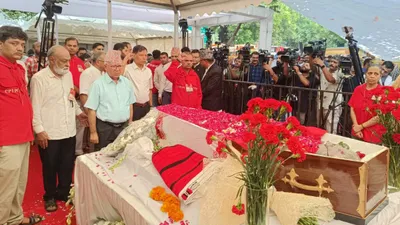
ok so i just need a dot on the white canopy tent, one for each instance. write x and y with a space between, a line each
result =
199 13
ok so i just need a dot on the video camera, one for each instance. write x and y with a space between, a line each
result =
316 48
221 55
50 8
291 56
264 57
245 52
345 64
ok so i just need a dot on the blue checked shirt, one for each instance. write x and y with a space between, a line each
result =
257 74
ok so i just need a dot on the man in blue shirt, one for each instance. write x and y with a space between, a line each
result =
110 103
257 71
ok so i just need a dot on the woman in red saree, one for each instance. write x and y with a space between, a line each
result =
365 125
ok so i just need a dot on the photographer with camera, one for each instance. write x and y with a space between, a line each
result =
305 78
234 72
330 79
281 75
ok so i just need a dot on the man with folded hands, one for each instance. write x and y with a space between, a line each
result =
110 102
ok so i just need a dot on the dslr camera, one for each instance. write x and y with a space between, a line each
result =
315 48
291 56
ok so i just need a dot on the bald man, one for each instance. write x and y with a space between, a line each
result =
54 112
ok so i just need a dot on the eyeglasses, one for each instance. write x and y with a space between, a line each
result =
114 67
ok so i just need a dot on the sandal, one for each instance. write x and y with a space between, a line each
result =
50 205
33 219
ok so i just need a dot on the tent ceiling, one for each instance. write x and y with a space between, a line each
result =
376 23
98 9
192 8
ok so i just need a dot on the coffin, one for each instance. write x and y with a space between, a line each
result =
357 189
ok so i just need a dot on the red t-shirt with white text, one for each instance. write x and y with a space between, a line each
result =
16 112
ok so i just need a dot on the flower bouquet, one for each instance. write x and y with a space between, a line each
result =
266 137
385 105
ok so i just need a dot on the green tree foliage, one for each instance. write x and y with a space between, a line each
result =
290 28
18 15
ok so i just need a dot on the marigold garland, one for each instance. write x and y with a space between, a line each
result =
171 204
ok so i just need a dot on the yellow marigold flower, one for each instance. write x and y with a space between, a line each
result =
156 193
176 215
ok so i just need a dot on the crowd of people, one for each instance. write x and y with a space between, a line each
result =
314 80
76 101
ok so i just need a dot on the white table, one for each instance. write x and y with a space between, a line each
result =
97 197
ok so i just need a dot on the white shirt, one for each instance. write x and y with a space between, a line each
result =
54 111
87 78
327 86
164 83
388 81
141 80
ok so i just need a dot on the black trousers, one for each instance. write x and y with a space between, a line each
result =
107 133
57 165
140 110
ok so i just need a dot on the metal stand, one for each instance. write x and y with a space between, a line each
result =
184 29
47 38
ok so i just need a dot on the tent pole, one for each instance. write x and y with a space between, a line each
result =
176 25
109 22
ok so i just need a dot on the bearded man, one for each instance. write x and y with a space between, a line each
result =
54 121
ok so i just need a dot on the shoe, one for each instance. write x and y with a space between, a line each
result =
50 205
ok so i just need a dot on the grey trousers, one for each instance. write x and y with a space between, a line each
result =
107 133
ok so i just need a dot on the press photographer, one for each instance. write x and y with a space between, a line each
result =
305 78
280 74
331 103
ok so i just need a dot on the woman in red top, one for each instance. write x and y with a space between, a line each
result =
365 125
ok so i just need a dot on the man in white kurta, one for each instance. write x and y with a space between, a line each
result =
54 122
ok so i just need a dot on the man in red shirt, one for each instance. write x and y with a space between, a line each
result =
186 87
76 67
152 66
15 128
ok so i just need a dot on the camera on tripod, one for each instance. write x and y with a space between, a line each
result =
345 64
291 56
221 55
50 8
245 53
264 57
315 48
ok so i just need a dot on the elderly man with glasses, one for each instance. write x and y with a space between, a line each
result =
110 102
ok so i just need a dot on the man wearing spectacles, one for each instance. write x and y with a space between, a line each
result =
110 102
389 73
